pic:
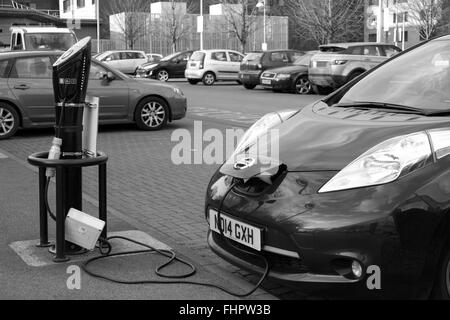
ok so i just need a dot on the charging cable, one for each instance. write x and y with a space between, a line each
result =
172 259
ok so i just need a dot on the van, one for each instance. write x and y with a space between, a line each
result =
42 38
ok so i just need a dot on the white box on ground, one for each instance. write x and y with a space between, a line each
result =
83 229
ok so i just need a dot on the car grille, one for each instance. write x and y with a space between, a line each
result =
268 75
256 186
277 262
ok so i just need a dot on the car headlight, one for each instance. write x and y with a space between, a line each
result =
178 91
384 163
283 76
261 127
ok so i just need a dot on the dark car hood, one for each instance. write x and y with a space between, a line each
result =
148 64
323 138
290 69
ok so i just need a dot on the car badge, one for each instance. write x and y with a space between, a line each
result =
245 164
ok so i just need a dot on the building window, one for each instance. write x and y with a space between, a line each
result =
66 5
372 37
398 18
80 4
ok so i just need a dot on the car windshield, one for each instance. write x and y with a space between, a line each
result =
419 79
49 41
304 60
170 57
253 57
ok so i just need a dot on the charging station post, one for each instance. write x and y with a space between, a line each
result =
67 157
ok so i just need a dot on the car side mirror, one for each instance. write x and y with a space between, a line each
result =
108 77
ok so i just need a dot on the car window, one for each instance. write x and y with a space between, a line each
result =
279 57
294 56
219 56
391 51
235 57
254 56
419 78
198 56
3 68
185 56
35 67
354 51
97 72
372 51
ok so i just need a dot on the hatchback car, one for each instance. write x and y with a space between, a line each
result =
124 61
27 98
359 183
255 63
292 78
170 67
340 63
210 66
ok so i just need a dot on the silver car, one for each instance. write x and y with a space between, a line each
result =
337 64
27 98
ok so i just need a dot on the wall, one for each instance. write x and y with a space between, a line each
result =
86 12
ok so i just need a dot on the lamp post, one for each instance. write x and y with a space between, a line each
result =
262 4
97 8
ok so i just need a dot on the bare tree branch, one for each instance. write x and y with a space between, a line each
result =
425 15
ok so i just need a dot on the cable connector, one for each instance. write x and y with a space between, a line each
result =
54 154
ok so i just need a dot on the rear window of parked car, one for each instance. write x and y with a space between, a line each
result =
253 57
198 56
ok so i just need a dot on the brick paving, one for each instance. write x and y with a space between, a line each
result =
143 184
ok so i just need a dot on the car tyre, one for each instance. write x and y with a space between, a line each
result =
302 85
162 75
354 75
209 78
9 121
249 86
441 288
193 81
152 114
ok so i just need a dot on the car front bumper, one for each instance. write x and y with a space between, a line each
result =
328 232
178 107
327 80
250 77
277 84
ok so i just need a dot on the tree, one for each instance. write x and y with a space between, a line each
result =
425 14
174 23
443 26
130 19
240 16
327 21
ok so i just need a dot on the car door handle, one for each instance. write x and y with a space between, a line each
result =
21 87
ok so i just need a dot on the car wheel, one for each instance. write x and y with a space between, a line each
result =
152 114
302 86
441 289
354 75
249 86
321 90
209 78
162 75
193 81
9 121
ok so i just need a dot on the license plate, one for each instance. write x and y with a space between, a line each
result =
238 231
193 64
268 82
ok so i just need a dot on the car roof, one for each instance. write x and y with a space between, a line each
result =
353 44
19 54
216 50
42 29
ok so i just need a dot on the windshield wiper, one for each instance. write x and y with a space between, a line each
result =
382 105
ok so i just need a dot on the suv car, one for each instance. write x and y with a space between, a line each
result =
124 61
172 66
210 66
41 38
255 63
337 64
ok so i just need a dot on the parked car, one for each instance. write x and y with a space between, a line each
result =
169 67
126 61
154 57
210 66
255 63
340 63
27 99
359 187
292 78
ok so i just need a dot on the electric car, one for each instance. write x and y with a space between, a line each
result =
27 97
350 192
